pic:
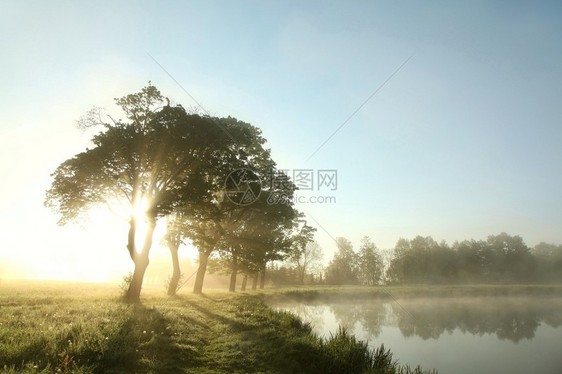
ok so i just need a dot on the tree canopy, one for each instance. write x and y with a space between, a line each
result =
166 160
501 258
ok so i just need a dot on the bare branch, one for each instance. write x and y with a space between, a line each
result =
92 118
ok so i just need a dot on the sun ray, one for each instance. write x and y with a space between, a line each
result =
138 212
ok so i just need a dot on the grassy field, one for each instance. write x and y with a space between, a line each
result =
85 328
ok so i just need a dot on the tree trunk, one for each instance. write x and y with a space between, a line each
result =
255 282
174 280
141 263
244 282
203 260
262 277
234 273
131 238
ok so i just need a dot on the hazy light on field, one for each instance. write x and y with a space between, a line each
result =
94 251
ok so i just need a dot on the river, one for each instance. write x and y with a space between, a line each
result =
453 335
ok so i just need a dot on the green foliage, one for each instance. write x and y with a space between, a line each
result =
246 236
382 360
141 108
369 265
348 267
125 283
548 260
305 253
499 259
348 354
163 155
343 269
177 163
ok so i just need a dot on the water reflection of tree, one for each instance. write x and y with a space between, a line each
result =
507 318
312 314
370 315
554 319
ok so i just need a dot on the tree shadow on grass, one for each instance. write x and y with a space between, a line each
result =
31 352
253 338
145 342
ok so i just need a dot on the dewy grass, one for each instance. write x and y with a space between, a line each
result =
45 329
345 354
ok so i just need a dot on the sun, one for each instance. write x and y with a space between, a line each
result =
138 212
124 211
90 250
95 249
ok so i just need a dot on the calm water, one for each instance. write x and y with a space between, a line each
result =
452 335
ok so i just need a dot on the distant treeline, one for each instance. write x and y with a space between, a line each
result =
499 259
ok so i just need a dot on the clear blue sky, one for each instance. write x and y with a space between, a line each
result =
464 141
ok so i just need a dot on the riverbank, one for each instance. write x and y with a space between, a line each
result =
330 293
73 328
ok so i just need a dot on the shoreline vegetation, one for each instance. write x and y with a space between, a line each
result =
330 293
87 328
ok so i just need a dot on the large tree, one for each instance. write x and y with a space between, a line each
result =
159 158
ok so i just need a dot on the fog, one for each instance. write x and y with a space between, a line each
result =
453 334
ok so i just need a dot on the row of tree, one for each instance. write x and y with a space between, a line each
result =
164 163
498 259
347 267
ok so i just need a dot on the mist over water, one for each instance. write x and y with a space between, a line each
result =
452 335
